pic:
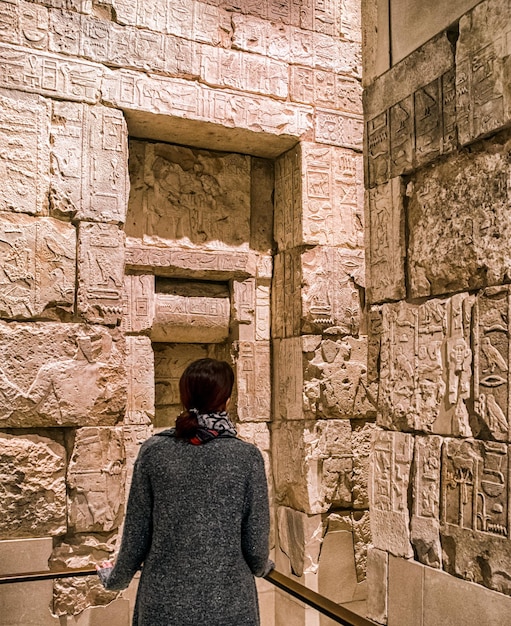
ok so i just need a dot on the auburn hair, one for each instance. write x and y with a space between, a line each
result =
205 385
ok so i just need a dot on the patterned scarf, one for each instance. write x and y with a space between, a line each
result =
212 425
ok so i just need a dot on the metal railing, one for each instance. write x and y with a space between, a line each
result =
335 612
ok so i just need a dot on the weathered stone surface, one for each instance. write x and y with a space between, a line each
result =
61 375
286 295
336 583
313 464
89 162
451 248
262 185
73 595
50 75
300 538
191 196
256 433
358 524
483 102
25 24
288 191
24 150
388 492
37 267
186 312
288 378
425 522
385 247
140 371
95 477
100 272
253 382
491 365
32 472
325 89
426 366
475 512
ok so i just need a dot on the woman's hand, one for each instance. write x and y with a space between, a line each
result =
104 570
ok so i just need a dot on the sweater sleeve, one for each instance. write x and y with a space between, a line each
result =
256 521
137 533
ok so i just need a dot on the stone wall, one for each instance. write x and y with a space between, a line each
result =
437 146
180 179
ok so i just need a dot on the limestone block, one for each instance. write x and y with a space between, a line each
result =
246 72
72 595
262 185
361 436
288 194
475 512
330 298
350 20
266 38
288 381
33 612
100 272
425 522
89 153
386 242
95 477
300 538
491 364
133 437
61 375
82 6
170 361
191 312
139 303
253 382
50 75
139 92
33 485
161 17
410 112
460 251
263 313
65 32
332 197
37 266
388 492
211 264
377 582
191 196
140 371
483 99
24 150
337 578
313 464
243 308
426 366
375 40
286 294
25 24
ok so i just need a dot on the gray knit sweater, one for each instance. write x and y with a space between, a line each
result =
197 519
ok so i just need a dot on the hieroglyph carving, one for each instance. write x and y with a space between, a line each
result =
96 476
101 272
253 381
425 522
413 131
288 379
491 363
140 373
61 375
37 266
423 346
24 151
386 222
388 493
89 162
288 199
286 294
139 303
